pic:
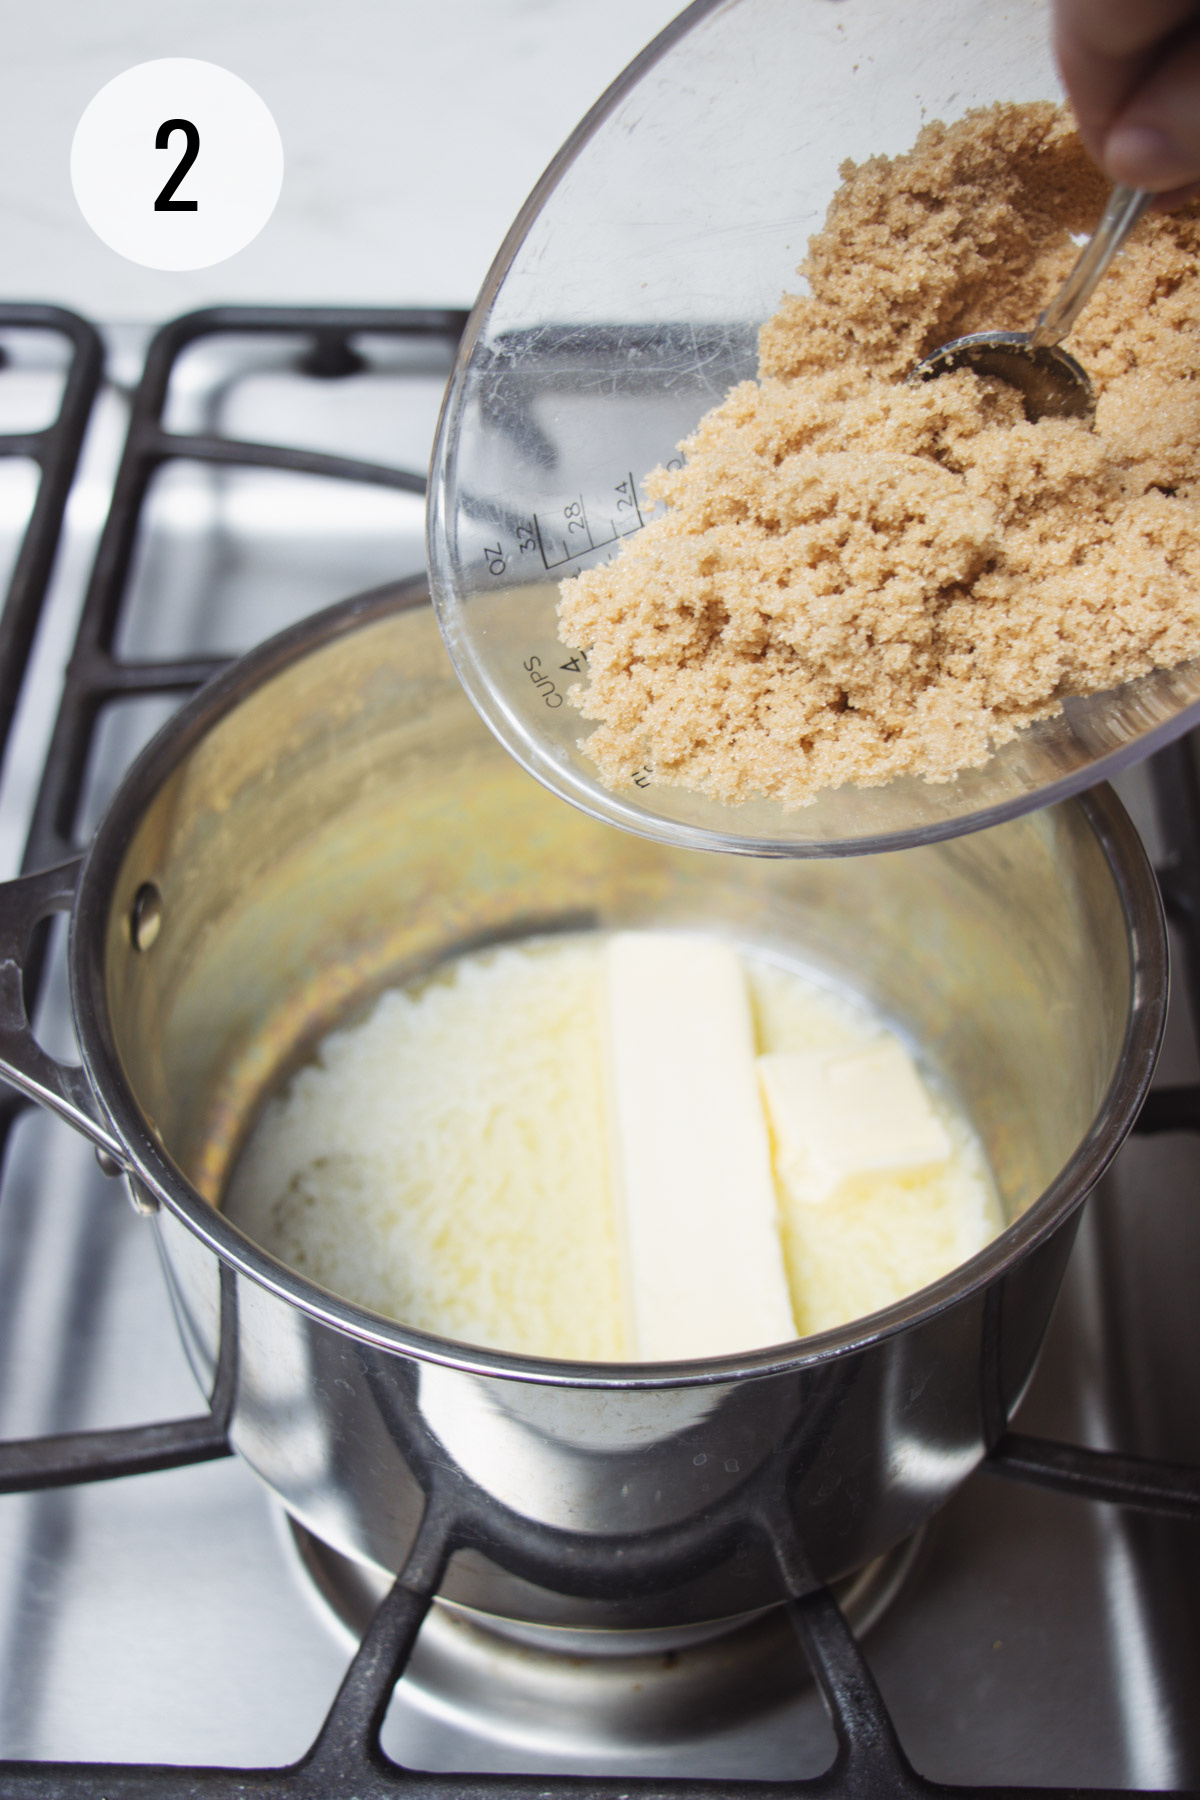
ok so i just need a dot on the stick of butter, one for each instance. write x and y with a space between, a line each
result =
840 1114
692 1161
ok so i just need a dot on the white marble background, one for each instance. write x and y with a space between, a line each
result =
412 132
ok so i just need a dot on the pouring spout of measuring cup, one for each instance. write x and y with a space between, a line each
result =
1125 207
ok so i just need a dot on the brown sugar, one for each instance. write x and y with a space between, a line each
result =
856 578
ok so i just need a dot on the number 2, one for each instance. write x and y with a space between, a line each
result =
165 203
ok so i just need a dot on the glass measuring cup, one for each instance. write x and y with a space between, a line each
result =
626 301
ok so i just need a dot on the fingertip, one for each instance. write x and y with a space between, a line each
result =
1144 156
1175 197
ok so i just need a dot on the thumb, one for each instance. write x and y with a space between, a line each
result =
1154 142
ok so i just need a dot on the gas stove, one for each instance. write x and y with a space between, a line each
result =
163 1627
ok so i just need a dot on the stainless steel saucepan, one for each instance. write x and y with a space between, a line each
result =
331 815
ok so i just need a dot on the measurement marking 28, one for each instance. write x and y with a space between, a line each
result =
577 534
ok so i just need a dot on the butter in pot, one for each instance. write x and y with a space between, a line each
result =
616 1147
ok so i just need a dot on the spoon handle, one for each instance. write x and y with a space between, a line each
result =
1125 207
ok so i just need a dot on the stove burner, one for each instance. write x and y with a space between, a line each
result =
546 1688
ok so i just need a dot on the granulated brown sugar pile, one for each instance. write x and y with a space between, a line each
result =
856 578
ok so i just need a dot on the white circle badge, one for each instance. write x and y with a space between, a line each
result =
177 164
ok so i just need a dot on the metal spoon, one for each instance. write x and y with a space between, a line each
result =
1053 385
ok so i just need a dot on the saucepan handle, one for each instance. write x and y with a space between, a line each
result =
62 1087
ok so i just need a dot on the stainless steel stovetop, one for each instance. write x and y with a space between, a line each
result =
1035 1638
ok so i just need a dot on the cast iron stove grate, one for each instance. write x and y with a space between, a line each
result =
346 1758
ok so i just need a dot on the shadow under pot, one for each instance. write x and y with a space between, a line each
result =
330 816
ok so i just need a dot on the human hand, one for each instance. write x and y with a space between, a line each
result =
1132 70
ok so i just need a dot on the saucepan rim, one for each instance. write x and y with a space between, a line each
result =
151 1165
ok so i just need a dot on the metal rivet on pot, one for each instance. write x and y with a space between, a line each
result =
107 1161
145 917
